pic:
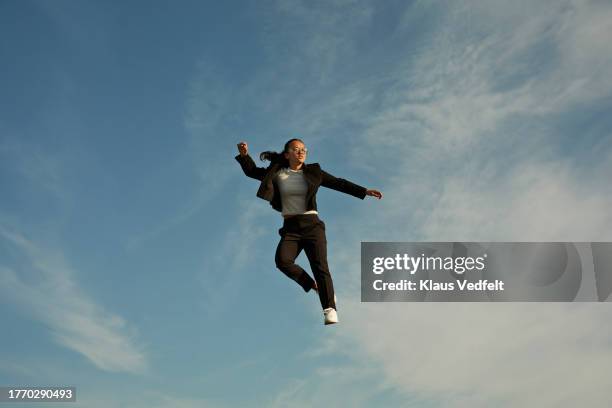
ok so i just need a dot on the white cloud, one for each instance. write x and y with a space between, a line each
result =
494 354
43 285
536 201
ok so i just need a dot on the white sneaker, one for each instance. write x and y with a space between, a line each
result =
330 315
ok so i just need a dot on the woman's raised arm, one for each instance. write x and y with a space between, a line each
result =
247 164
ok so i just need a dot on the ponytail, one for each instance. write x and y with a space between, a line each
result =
272 157
276 157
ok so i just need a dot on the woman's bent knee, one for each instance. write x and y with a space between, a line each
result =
283 264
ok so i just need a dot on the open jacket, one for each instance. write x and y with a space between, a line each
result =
314 176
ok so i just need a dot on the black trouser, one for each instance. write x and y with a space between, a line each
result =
306 232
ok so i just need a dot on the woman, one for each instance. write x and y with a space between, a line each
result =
290 185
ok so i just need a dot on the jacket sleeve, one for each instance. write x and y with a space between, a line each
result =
342 185
249 167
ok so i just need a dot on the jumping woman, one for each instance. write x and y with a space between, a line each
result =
290 185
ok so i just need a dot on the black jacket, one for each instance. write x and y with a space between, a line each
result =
315 177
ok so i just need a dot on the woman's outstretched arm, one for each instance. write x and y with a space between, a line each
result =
345 186
247 164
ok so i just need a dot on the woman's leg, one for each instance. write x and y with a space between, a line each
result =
315 246
287 250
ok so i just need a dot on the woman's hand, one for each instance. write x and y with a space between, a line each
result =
374 193
243 148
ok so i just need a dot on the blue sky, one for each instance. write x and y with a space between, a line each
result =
137 264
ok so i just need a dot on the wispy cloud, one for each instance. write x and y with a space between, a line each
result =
475 130
539 201
225 263
39 169
44 286
336 384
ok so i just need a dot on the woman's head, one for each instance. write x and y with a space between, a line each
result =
294 152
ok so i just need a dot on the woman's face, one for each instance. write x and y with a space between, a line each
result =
296 153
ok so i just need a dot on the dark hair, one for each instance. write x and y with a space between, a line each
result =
276 157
